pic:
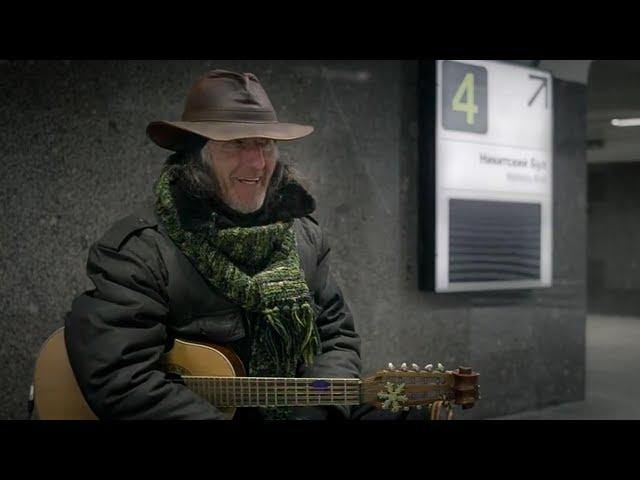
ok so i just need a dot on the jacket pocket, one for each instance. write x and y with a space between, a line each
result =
221 327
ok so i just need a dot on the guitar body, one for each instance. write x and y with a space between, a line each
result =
58 397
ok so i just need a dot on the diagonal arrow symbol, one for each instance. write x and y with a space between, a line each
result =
543 84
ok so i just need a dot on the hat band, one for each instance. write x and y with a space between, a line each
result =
252 116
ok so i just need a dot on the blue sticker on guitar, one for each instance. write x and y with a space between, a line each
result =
320 385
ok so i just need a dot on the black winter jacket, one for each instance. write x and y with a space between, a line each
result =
147 293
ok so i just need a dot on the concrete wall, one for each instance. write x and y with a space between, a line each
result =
76 158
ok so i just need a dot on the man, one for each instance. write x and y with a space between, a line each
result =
228 253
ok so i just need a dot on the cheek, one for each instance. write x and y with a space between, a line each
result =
270 165
223 172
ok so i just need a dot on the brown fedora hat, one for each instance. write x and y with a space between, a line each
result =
224 105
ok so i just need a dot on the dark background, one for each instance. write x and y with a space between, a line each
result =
613 234
76 158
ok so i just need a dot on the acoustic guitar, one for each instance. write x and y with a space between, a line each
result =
217 374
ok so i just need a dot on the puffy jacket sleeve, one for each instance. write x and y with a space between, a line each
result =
340 343
115 335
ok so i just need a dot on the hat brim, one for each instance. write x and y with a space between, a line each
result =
172 135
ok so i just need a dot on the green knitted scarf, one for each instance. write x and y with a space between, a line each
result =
257 268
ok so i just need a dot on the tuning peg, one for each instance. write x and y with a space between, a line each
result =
406 409
391 366
428 368
415 367
403 367
419 407
440 367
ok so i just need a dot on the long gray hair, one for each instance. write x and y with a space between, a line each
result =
196 176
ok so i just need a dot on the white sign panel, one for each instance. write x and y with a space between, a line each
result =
494 154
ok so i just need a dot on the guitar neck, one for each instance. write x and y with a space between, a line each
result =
276 392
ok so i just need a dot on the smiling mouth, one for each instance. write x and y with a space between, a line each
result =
249 180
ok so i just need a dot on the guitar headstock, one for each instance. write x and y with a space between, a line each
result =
405 387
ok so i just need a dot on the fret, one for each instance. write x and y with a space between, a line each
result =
233 386
257 392
286 391
249 392
283 391
274 384
331 388
345 390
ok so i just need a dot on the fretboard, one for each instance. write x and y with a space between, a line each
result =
275 392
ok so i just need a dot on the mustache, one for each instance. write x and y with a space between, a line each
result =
198 180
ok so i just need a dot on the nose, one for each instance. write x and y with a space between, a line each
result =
253 157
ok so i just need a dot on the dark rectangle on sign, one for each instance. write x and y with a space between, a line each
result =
464 97
493 241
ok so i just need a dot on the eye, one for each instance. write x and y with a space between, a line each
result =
233 144
266 143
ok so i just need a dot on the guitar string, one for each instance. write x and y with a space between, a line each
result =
226 386
278 395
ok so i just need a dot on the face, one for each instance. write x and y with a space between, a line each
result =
242 170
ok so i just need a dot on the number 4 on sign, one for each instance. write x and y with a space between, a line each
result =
469 107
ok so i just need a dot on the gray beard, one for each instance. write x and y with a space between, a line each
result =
240 207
